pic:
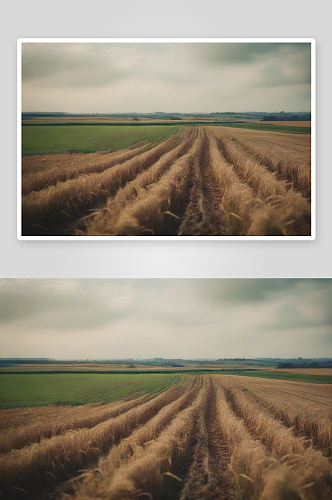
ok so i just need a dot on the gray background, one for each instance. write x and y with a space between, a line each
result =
159 18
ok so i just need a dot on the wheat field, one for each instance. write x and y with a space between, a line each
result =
200 181
205 437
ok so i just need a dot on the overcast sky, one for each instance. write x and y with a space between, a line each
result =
169 318
169 77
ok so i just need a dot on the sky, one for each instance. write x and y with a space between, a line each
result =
168 318
167 77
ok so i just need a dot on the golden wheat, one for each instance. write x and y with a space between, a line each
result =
64 202
147 212
60 168
294 210
119 455
33 433
43 463
239 203
108 216
145 471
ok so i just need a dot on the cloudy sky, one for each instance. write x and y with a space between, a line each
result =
169 77
169 318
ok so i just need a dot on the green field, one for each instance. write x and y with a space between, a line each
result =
50 139
40 389
19 390
269 127
297 377
86 138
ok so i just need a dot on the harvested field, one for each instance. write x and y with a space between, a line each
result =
211 437
200 181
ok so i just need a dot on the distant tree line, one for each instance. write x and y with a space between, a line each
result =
312 364
301 115
286 117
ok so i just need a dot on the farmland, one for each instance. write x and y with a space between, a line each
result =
44 140
78 388
192 437
168 181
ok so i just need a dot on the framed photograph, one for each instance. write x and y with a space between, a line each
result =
166 139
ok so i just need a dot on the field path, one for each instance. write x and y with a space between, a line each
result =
209 475
203 215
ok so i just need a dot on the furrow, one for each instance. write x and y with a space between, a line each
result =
203 215
209 476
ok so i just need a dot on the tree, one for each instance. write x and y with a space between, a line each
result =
285 364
